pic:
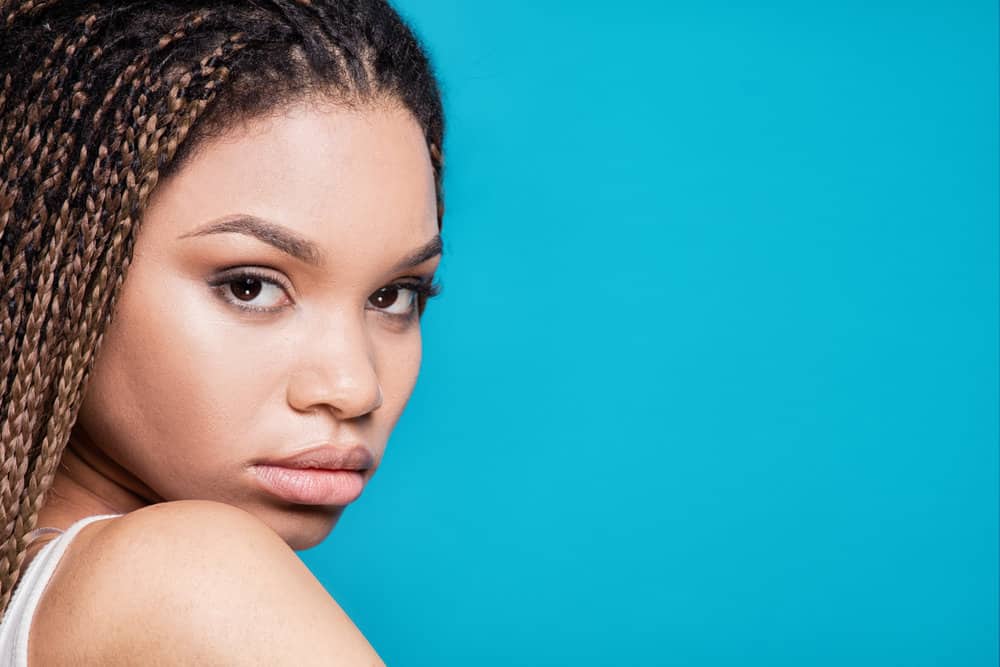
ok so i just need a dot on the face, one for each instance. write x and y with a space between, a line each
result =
271 308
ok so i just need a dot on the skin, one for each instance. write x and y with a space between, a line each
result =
189 390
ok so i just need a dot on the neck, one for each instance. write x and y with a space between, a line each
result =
88 482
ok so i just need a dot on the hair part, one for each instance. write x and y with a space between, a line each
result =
98 102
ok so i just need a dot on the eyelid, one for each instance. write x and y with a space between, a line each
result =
262 272
220 282
426 286
424 289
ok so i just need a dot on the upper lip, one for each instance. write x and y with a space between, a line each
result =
328 457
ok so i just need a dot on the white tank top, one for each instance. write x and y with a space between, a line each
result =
28 591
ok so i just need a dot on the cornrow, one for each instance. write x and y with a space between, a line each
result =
99 102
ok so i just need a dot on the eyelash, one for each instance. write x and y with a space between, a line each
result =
423 290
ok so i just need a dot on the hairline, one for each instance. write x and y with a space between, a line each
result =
211 126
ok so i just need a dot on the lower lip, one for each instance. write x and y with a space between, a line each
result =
311 486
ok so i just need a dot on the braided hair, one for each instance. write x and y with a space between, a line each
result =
98 101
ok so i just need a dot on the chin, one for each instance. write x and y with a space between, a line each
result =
304 527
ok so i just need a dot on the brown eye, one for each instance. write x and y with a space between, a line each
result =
384 298
249 291
399 300
247 288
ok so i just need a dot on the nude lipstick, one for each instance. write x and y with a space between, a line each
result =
323 475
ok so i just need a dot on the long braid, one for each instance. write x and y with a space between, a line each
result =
99 102
24 421
46 233
144 146
25 277
108 270
24 400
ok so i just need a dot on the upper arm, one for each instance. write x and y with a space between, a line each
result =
198 582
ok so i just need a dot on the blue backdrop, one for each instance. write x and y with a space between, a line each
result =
714 376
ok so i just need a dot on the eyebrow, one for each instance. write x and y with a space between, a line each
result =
268 232
292 244
432 248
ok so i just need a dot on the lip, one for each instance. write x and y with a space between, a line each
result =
324 475
327 457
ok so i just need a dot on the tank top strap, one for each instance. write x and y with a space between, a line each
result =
39 532
16 622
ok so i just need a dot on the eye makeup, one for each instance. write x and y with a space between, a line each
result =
238 287
241 287
384 298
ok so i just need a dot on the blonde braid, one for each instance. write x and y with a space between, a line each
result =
123 192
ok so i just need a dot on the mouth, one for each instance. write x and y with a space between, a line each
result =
311 486
325 475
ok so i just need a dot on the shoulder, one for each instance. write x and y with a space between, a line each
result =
173 532
174 525
196 581
130 555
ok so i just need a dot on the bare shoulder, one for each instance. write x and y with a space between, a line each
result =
190 582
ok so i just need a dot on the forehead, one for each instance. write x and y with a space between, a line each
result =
352 180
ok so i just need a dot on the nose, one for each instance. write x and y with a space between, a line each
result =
338 373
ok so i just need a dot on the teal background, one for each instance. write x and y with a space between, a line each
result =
714 376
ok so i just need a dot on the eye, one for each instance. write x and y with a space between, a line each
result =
251 290
398 300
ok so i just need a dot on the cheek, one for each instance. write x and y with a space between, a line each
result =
173 382
398 364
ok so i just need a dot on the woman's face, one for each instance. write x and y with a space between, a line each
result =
253 324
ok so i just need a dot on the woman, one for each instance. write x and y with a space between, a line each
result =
219 226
